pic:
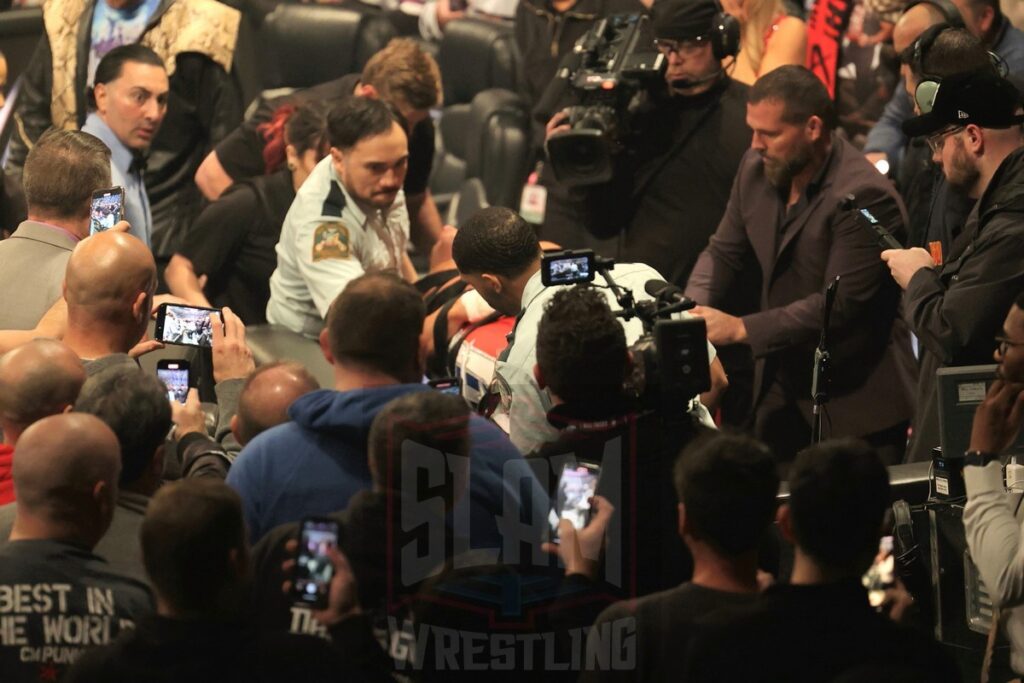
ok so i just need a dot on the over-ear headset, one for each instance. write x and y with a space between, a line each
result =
724 34
928 86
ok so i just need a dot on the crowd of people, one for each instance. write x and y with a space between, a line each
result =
599 508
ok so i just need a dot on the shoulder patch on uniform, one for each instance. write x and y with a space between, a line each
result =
330 241
335 202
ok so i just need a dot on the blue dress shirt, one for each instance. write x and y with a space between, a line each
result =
136 203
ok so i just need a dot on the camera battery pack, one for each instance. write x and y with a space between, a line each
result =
948 476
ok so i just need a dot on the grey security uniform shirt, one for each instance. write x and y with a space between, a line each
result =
327 241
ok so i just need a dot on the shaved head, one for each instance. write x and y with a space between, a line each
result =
913 23
109 286
108 269
38 379
267 394
65 478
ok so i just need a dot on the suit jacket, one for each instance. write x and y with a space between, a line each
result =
800 251
203 104
32 264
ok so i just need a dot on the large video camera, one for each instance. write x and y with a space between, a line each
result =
611 63
670 360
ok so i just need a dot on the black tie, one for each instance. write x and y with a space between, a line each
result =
138 164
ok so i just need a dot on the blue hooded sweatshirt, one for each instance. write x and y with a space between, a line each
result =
314 464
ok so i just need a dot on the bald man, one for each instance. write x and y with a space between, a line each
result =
109 286
39 379
61 598
886 139
263 403
266 397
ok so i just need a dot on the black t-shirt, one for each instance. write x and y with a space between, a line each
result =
56 601
670 187
661 624
232 243
241 152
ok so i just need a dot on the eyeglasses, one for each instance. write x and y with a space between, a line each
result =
936 141
685 48
1005 343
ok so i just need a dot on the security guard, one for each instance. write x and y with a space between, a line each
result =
349 217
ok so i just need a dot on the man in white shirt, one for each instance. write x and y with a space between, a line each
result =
498 253
992 529
349 217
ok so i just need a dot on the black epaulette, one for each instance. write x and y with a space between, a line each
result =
335 202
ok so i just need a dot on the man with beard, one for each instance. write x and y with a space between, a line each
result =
956 309
785 212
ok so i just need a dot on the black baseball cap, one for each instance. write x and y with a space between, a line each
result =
981 98
683 19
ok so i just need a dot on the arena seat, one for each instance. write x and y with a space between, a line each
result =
304 45
475 56
495 139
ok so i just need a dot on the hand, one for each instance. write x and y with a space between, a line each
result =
764 581
188 417
904 263
723 328
874 157
120 226
342 598
557 124
897 601
232 359
997 420
579 549
145 345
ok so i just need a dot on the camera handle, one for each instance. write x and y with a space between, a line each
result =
623 297
822 364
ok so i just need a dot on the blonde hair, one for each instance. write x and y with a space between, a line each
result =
759 17
403 73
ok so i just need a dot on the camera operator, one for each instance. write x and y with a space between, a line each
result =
785 212
671 184
498 253
582 361
993 533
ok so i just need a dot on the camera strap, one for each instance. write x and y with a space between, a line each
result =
679 144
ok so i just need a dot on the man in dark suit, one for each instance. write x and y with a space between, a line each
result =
785 213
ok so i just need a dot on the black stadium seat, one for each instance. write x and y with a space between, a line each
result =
475 55
305 45
497 150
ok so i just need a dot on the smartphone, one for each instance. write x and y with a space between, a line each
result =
311 581
174 375
185 325
447 385
577 484
106 210
568 267
881 575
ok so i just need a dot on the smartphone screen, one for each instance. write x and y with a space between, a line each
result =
174 375
107 209
185 325
576 486
881 574
313 569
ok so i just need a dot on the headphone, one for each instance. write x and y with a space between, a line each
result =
928 87
724 34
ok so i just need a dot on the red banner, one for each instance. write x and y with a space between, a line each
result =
825 28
